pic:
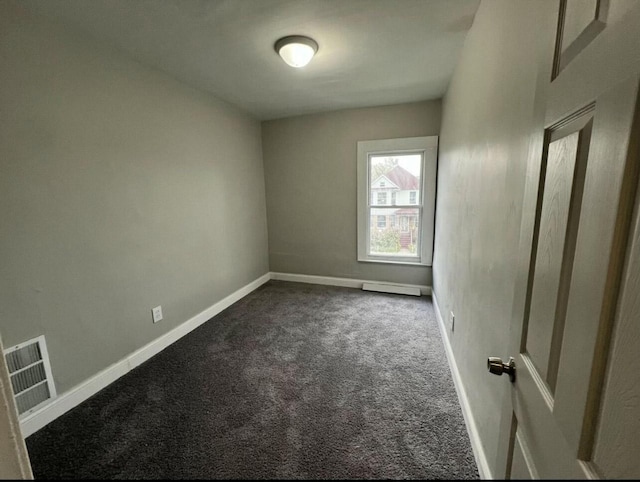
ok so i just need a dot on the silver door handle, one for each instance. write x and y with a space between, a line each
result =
495 366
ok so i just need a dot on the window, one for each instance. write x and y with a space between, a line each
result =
409 169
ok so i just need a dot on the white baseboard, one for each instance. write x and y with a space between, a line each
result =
66 401
346 282
476 444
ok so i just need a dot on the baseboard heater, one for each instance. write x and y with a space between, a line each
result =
395 289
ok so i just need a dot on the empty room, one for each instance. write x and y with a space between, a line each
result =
319 239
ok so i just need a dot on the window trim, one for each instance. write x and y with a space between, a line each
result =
428 146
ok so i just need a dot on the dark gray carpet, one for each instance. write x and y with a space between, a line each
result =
293 381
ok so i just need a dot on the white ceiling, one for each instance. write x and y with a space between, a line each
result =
371 52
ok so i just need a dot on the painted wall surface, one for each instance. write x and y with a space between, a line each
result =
310 174
487 122
121 189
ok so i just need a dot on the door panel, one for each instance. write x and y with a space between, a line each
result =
522 467
572 411
560 414
567 149
617 443
614 55
533 409
610 183
580 21
578 15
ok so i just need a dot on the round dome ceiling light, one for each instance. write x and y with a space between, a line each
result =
296 50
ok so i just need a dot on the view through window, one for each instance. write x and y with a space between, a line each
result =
395 205
396 200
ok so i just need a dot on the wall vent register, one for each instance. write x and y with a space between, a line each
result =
30 375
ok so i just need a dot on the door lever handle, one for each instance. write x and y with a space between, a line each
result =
495 366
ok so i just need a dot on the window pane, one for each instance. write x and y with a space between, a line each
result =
398 175
393 232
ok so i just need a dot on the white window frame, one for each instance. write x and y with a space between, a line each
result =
428 147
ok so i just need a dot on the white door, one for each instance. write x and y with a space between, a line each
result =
14 460
574 407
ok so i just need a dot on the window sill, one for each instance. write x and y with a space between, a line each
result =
387 261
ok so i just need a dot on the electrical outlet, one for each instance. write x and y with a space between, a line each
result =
452 320
157 314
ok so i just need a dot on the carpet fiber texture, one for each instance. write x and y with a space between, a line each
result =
294 381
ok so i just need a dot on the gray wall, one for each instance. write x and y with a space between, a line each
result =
310 175
121 189
487 121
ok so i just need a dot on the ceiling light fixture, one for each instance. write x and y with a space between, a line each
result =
296 50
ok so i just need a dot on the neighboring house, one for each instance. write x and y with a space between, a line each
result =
397 187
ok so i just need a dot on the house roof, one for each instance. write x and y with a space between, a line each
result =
378 183
403 179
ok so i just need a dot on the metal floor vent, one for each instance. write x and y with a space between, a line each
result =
30 374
